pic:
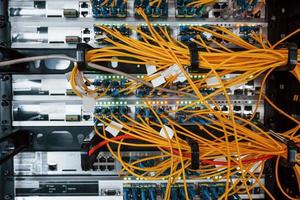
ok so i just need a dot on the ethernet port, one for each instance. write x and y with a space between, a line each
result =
84 5
102 160
86 31
86 117
110 167
86 40
84 13
110 159
102 167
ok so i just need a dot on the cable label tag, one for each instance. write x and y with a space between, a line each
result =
167 132
88 105
158 81
114 128
151 69
171 71
55 111
212 81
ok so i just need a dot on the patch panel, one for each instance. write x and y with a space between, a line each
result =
109 8
157 27
187 33
100 35
107 111
57 36
152 8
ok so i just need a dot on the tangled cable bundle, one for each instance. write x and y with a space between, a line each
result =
172 58
241 144
230 147
242 158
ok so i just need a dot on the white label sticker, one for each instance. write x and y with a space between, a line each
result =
169 132
171 71
54 86
55 111
207 35
114 128
158 81
213 81
88 105
180 78
151 69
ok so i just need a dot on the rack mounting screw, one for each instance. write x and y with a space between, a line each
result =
6 173
7 197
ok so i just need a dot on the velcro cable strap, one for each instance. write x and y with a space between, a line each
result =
195 154
82 48
292 56
194 66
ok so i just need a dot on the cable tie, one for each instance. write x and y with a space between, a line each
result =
292 153
194 66
81 50
195 154
292 56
